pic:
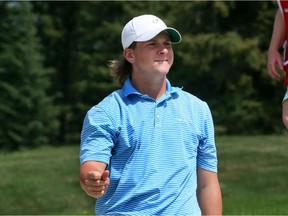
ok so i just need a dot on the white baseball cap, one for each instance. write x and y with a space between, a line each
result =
144 28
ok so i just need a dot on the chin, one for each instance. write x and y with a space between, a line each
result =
164 72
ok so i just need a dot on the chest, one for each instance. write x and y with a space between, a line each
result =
165 129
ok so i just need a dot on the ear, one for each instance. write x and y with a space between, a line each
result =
129 55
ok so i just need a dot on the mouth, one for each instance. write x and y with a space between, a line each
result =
162 60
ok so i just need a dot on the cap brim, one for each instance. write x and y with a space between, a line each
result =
173 34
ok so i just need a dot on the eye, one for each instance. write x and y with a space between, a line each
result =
152 44
168 44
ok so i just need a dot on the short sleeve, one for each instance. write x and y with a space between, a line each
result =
97 136
207 154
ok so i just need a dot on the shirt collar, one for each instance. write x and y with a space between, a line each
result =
128 88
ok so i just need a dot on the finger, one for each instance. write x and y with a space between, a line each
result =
105 175
279 62
273 72
95 194
95 183
93 175
94 188
95 191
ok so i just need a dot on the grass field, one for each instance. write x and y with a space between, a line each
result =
253 172
42 181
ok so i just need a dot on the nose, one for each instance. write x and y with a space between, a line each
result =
163 50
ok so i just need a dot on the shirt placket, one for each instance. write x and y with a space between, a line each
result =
159 111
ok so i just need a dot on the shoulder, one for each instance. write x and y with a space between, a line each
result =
189 95
108 105
186 97
113 101
103 114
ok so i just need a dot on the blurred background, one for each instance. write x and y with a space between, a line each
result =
53 68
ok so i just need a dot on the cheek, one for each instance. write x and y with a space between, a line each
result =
171 58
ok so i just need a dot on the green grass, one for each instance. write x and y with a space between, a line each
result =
253 173
42 181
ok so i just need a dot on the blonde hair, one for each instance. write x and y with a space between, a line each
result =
121 69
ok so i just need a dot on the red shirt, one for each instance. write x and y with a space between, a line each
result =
283 6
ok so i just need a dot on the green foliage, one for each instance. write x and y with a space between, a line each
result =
26 111
222 60
223 69
73 36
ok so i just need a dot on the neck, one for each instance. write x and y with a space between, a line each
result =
154 88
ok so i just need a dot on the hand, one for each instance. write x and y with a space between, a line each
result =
274 59
96 184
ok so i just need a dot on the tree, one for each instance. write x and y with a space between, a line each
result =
223 62
78 46
27 115
222 57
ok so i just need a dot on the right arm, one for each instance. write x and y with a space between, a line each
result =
95 151
277 39
94 179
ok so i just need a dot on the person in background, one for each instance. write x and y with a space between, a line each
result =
280 39
149 148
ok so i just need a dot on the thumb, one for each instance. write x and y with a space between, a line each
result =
94 175
105 175
280 63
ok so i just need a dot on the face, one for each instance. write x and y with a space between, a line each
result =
151 57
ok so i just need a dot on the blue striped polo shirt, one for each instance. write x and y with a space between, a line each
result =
152 149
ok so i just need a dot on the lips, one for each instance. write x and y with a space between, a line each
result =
160 60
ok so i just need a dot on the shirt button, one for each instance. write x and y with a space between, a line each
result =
157 116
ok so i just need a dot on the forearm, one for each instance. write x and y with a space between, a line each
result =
210 200
208 192
278 34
